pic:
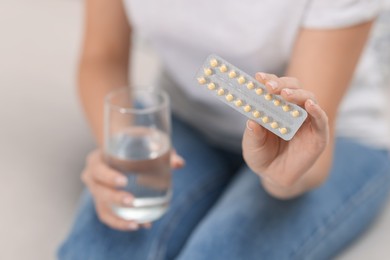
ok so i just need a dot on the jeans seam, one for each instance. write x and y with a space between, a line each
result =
346 207
157 249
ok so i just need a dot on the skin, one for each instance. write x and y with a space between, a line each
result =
287 169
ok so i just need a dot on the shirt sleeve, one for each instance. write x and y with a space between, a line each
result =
332 14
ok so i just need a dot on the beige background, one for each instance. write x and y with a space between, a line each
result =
43 137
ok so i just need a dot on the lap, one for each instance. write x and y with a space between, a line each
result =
247 223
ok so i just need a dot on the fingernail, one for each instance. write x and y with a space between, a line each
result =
287 91
127 201
311 102
273 84
121 181
248 127
260 75
133 226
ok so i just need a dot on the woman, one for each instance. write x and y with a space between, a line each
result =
303 199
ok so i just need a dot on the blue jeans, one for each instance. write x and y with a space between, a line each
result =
220 211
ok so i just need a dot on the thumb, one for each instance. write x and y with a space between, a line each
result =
254 136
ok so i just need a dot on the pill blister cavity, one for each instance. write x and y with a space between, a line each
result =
221 92
232 74
211 86
250 85
223 69
202 80
239 103
277 102
283 130
268 97
241 80
229 97
213 63
295 113
247 108
256 114
265 119
286 108
259 91
208 71
274 125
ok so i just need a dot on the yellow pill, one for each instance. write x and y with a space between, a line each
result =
250 85
213 63
283 130
295 113
229 97
256 114
239 103
274 125
268 97
241 80
208 71
259 91
277 102
247 108
232 74
286 108
265 119
211 86
221 92
202 80
223 68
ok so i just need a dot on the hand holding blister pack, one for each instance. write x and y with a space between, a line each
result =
246 95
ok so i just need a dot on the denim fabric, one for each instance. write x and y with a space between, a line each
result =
220 211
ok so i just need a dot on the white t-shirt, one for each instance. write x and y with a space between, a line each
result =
255 35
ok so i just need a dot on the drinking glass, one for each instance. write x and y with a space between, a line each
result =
137 143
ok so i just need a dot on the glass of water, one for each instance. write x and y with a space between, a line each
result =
137 143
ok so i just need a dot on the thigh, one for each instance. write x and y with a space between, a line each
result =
195 188
246 223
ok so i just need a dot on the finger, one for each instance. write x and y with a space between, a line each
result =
147 225
176 160
275 86
297 96
319 119
264 77
111 196
254 135
103 174
110 219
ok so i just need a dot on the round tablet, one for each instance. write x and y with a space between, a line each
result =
241 80
277 102
247 108
268 97
256 114
208 71
283 130
265 119
211 86
229 97
250 85
259 91
286 108
295 113
232 74
223 68
213 63
202 80
239 103
274 125
221 92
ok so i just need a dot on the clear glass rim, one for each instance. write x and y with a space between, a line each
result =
131 110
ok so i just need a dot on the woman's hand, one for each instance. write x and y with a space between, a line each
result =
104 183
283 163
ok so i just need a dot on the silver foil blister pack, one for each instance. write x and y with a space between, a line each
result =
246 95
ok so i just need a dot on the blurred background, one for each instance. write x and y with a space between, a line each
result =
44 138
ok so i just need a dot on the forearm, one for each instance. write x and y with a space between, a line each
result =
97 77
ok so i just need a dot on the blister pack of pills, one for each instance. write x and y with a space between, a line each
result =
242 92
